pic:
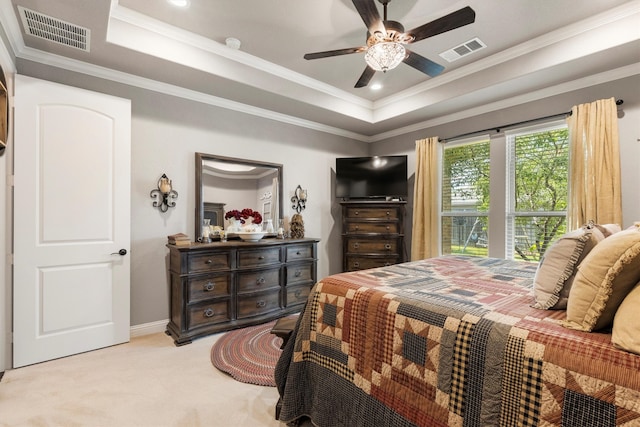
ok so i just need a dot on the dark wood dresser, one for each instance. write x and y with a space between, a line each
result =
372 234
225 285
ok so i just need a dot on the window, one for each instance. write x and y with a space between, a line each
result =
465 198
538 171
528 208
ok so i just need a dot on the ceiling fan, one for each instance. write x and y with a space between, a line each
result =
386 40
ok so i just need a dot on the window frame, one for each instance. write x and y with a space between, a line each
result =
510 207
480 138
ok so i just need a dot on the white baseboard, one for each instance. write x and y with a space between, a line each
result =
148 328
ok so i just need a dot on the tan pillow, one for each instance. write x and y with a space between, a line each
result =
626 324
604 278
557 268
609 229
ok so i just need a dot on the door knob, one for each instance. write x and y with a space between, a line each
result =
121 252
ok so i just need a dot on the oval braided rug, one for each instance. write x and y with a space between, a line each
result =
249 355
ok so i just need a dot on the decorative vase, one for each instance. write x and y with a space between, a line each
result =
206 230
234 226
297 227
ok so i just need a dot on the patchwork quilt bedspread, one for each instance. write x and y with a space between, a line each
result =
449 341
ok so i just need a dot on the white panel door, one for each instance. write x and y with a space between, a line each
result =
71 221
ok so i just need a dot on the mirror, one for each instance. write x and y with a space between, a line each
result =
225 183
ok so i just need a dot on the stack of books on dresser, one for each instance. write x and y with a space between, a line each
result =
179 239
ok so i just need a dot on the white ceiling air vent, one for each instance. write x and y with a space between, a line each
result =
464 49
53 29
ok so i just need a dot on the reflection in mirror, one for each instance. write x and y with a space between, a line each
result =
224 184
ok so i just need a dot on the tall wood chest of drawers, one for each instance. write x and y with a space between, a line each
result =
372 234
225 285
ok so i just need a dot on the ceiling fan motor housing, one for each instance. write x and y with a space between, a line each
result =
394 33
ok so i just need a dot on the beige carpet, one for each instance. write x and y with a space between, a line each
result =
147 382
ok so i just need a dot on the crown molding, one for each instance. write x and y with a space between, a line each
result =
611 16
153 85
604 77
11 26
185 37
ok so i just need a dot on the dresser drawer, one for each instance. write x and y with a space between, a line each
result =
297 294
259 280
373 213
258 257
371 246
212 286
363 263
299 252
209 262
255 305
300 273
382 227
208 313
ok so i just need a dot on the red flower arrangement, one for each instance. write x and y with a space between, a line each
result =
243 215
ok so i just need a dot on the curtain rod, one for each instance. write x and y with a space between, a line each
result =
524 122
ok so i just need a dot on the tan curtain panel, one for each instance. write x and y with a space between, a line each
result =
424 240
594 181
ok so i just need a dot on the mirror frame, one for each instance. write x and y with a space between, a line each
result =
200 157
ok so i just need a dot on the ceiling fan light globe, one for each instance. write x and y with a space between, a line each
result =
385 56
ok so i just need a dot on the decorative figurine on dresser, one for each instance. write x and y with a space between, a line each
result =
225 285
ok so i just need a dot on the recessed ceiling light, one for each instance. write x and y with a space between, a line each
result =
376 86
179 3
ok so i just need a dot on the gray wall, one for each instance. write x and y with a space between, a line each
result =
167 131
627 89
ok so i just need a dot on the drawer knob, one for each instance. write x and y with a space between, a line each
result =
388 213
260 257
356 245
356 264
209 261
298 253
209 312
260 281
388 227
209 286
357 212
298 273
261 304
387 246
297 293
357 227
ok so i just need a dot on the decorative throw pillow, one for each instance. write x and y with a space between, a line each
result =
608 229
603 280
626 327
557 267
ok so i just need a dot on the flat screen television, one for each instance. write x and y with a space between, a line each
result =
371 177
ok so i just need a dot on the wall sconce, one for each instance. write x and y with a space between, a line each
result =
164 195
299 199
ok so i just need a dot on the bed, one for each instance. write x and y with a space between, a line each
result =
449 341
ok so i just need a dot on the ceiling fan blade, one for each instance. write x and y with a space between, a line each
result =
457 19
423 64
337 52
365 78
369 14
